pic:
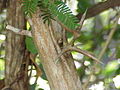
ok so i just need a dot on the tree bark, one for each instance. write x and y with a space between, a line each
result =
61 75
16 54
3 4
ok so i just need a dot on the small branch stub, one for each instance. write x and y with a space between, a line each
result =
19 31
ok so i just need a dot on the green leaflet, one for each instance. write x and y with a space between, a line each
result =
45 2
62 12
29 6
57 10
83 5
30 45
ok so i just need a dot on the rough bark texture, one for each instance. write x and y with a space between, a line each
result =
61 75
15 75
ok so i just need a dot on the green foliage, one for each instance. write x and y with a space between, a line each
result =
81 71
62 12
57 10
83 5
111 68
118 71
33 86
30 45
2 64
40 89
30 6
46 14
117 33
43 72
118 51
2 68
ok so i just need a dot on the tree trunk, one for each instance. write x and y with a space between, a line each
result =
16 54
61 75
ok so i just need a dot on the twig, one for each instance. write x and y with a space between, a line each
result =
74 32
78 29
109 39
38 70
82 21
19 31
30 71
70 48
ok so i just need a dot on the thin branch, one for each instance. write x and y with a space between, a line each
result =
19 31
82 21
78 29
100 7
109 39
70 48
38 70
74 32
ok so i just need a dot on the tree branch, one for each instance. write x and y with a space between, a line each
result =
19 31
73 48
100 7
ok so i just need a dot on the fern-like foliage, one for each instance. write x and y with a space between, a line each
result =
46 14
52 10
29 6
62 12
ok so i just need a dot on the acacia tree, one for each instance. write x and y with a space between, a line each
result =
50 40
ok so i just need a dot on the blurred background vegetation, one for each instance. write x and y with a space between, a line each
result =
94 35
